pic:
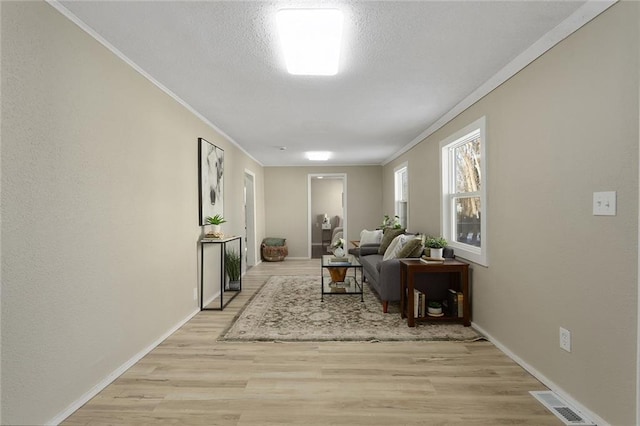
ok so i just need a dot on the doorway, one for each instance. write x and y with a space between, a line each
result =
250 257
327 199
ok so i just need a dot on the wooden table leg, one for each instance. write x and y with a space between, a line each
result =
466 303
411 320
403 291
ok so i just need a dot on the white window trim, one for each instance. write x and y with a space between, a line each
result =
474 254
404 166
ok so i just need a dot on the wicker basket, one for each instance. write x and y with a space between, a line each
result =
273 253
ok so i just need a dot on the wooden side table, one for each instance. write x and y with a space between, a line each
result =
410 267
326 238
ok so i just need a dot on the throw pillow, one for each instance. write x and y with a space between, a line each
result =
274 242
395 247
413 248
370 237
387 237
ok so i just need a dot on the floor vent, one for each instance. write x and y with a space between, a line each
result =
562 410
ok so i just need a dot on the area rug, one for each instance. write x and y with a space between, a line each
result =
288 308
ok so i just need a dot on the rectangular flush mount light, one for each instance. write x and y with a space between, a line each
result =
318 155
311 40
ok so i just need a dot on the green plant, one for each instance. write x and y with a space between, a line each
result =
434 304
387 222
435 242
216 220
339 243
232 264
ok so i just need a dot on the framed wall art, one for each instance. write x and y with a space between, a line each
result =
211 182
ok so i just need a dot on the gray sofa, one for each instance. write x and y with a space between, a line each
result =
384 276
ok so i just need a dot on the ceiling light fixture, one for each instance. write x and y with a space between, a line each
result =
311 40
318 155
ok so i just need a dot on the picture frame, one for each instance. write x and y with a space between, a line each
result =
211 180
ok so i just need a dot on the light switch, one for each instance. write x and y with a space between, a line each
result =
604 203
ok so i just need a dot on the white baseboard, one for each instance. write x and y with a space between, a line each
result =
117 373
542 378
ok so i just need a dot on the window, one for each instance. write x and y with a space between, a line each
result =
464 181
401 180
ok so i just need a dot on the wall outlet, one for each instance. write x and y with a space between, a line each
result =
195 293
565 339
604 203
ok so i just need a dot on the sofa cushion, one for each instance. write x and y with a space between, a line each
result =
412 248
368 249
370 237
387 238
396 245
370 264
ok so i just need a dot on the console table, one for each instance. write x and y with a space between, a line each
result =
410 267
224 292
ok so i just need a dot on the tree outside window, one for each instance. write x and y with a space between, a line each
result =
468 178
464 215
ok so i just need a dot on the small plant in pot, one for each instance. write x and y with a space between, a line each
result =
232 268
434 308
436 245
338 247
216 221
388 222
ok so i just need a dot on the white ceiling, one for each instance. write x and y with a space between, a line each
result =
406 67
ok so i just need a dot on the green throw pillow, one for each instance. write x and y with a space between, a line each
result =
413 248
274 242
387 237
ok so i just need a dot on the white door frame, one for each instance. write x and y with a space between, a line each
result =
310 220
250 211
638 314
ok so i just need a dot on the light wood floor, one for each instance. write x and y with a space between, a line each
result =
193 379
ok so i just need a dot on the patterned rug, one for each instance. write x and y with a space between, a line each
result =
288 308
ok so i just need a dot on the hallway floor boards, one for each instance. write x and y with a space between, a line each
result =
191 378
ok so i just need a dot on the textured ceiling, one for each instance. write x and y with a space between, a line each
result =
404 66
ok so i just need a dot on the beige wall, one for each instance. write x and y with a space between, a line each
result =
559 130
286 202
1 86
99 212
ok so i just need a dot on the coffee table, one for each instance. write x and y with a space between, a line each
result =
342 276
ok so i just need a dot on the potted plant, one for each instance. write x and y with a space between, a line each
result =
436 246
387 222
434 308
338 247
232 268
216 221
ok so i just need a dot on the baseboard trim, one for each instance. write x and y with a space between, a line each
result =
117 373
541 377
